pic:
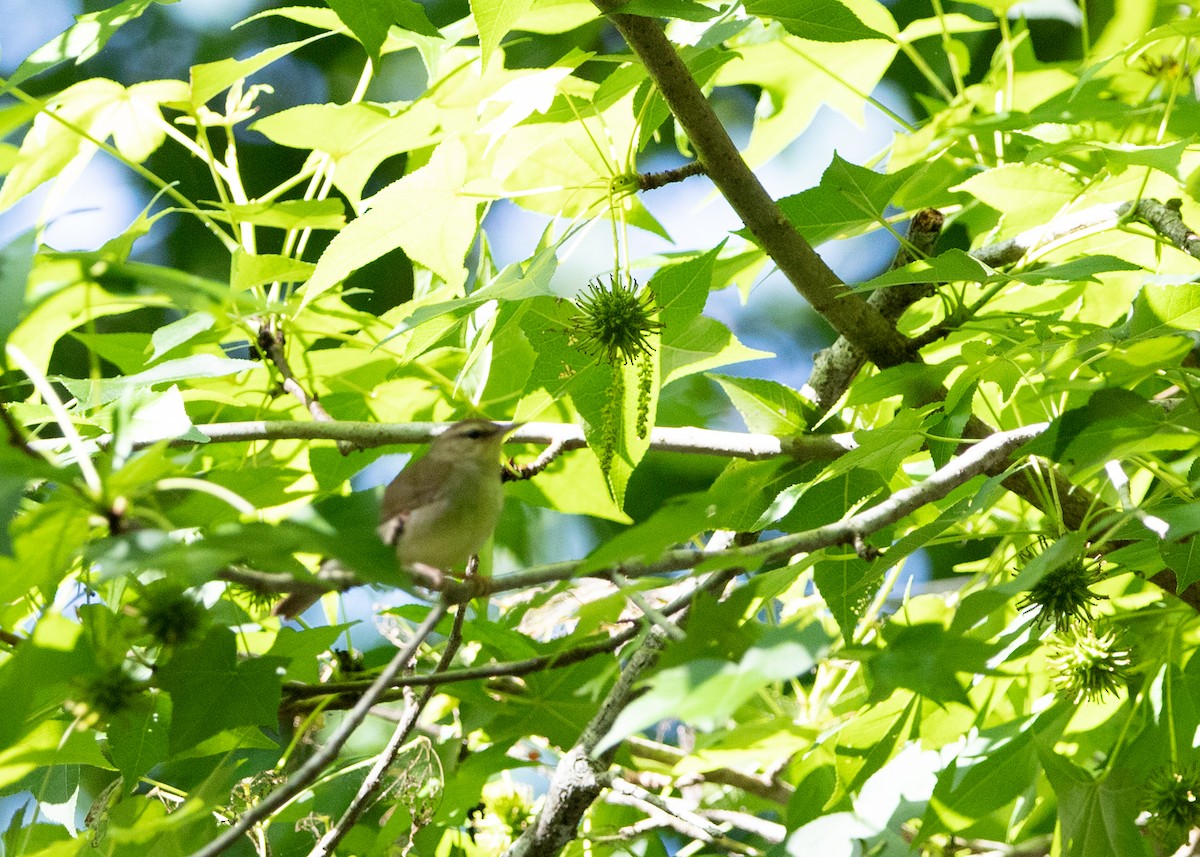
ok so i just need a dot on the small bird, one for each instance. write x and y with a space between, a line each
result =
442 507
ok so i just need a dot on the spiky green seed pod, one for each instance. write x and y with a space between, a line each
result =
170 615
1088 666
1173 803
616 321
1064 596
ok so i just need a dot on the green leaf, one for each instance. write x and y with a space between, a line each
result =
1096 816
953 22
1027 194
1113 424
46 541
302 649
1183 558
706 692
674 523
1159 310
101 108
212 78
818 20
105 390
16 263
681 290
702 344
357 137
425 214
370 20
848 584
211 690
884 449
848 201
495 18
992 770
285 214
50 743
83 39
1085 268
169 337
684 10
927 659
253 270
137 736
767 407
798 77
949 267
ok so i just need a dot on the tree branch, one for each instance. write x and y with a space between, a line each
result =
653 181
985 456
676 815
849 314
374 780
836 366
512 668
315 765
566 436
778 792
579 777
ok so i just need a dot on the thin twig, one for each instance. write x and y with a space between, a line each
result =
315 765
271 341
686 821
16 438
653 181
374 780
298 692
515 472
729 444
778 792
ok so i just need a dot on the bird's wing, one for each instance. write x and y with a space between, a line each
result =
412 488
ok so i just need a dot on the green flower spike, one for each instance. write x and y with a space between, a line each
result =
1087 666
616 321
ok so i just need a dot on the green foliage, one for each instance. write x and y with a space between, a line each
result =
312 273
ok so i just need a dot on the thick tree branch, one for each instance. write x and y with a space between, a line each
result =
316 764
849 314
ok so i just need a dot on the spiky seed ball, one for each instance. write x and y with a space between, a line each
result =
1173 803
1088 666
101 696
1064 596
616 321
170 615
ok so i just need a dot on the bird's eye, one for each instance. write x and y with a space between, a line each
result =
476 433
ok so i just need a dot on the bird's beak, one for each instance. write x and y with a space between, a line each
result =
509 428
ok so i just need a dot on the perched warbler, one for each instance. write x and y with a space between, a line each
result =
442 507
